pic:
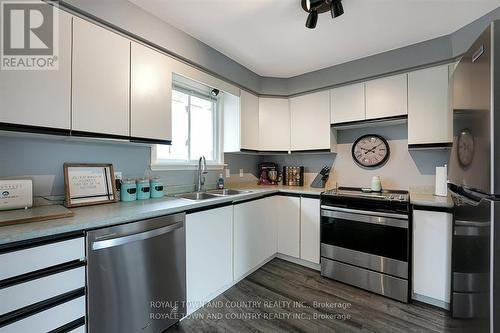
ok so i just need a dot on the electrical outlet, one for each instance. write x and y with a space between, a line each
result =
228 173
241 173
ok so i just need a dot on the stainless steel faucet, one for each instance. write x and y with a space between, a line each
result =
202 171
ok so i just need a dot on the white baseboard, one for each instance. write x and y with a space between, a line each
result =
298 261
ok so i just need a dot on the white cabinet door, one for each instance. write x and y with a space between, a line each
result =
430 117
288 225
309 118
432 232
254 235
249 121
309 229
386 97
101 79
40 97
232 123
348 103
274 124
151 94
209 254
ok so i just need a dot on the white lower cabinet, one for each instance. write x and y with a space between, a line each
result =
288 225
432 233
49 319
254 235
209 254
309 229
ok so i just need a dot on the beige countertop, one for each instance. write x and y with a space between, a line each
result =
91 217
99 216
430 200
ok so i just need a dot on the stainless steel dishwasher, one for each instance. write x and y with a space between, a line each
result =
137 276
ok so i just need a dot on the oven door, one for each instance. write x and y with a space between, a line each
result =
376 241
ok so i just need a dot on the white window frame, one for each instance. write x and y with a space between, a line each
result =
218 163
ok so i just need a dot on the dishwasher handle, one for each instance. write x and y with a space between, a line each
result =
117 241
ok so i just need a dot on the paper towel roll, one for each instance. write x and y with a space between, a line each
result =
441 188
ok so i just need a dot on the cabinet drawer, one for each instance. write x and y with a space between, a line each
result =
28 260
49 319
80 329
31 292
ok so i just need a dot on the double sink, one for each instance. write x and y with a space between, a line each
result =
210 194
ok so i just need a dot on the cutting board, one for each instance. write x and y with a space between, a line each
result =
35 214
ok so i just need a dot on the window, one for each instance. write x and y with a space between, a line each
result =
195 130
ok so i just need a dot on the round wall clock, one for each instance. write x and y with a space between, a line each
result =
370 150
465 147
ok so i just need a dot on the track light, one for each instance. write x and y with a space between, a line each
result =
313 4
315 7
215 92
336 8
312 19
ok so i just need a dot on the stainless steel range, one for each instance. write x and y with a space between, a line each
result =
365 240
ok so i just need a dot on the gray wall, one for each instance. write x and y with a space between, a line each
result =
403 170
136 21
42 160
129 17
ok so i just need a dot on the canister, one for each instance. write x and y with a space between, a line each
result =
143 189
128 191
156 187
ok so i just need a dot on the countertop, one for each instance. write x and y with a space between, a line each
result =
99 216
430 200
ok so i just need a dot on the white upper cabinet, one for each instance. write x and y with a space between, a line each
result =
348 103
274 124
430 118
101 79
386 97
151 94
40 97
232 123
309 117
249 113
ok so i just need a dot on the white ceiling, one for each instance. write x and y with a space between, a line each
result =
269 36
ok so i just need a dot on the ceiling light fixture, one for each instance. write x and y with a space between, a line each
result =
312 19
336 8
315 7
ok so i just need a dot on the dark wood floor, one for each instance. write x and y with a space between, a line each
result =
342 309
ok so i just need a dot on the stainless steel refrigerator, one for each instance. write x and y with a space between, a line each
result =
474 182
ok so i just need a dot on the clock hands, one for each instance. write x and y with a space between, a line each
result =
371 150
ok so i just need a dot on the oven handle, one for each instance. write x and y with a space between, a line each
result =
365 212
401 222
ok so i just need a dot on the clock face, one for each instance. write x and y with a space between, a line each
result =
465 149
370 150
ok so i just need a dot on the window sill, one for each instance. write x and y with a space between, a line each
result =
185 167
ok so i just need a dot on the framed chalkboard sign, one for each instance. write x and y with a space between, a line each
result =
89 184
